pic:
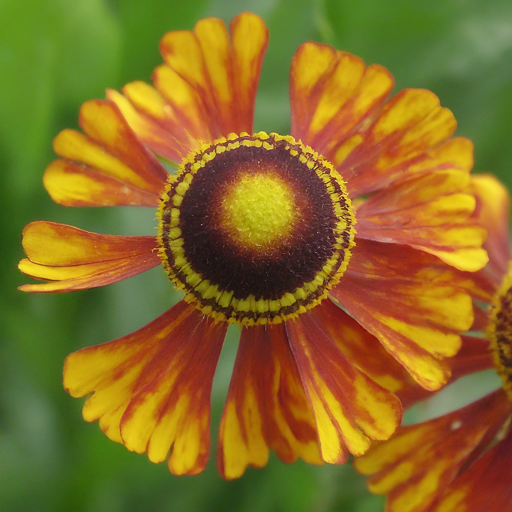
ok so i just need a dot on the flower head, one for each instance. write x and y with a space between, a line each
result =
460 462
258 230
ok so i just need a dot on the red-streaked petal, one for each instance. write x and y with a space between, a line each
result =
214 81
338 109
249 36
332 93
349 408
366 352
473 357
266 406
420 461
156 124
485 487
492 210
481 286
481 318
151 389
74 259
243 439
412 302
72 184
399 143
206 89
113 159
431 212
103 123
294 433
206 60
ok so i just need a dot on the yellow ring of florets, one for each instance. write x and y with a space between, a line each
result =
499 331
250 310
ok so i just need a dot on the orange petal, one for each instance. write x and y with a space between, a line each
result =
348 407
492 211
485 486
72 184
206 90
73 259
338 109
473 357
294 431
332 93
214 44
481 317
103 123
312 64
266 406
410 135
431 212
412 302
112 158
366 352
420 461
151 389
153 119
249 36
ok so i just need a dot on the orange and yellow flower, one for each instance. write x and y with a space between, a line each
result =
258 230
460 462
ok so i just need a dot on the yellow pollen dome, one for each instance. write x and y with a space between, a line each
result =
499 332
258 210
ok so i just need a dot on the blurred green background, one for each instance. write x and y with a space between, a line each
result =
56 54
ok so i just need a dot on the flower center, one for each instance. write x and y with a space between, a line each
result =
258 210
500 332
255 229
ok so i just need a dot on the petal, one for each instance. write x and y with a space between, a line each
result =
431 212
266 406
73 259
206 89
294 431
349 408
72 184
338 109
112 161
481 317
493 207
473 357
331 94
398 142
249 36
153 120
486 486
208 47
365 351
219 71
413 303
420 461
151 389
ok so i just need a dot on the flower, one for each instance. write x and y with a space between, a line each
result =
460 462
258 230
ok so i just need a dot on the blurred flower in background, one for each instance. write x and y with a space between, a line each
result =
55 55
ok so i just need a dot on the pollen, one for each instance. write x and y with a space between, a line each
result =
255 229
259 210
499 332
